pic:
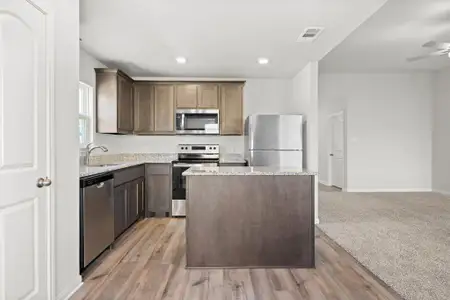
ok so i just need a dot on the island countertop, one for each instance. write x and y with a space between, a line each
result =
232 171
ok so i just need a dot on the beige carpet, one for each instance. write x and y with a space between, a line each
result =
403 238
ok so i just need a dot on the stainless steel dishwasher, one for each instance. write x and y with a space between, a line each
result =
96 217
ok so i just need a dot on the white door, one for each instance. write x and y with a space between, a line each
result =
337 150
24 146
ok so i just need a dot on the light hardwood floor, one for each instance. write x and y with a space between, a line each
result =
148 262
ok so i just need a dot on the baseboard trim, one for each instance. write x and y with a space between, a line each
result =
69 292
446 193
418 190
324 182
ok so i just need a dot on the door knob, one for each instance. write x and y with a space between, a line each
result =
41 182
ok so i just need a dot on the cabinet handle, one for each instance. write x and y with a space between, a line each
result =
137 199
142 196
126 207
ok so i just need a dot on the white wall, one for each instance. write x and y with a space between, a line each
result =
66 72
389 129
87 65
305 97
441 133
260 96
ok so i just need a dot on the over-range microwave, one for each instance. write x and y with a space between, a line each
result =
197 121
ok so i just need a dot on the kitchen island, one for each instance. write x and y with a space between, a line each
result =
249 217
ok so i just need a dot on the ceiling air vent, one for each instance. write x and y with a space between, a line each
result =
310 34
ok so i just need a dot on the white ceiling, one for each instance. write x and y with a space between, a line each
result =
397 31
220 38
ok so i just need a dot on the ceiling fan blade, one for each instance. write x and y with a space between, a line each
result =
436 45
437 53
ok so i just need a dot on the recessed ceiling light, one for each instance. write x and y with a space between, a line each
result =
181 60
263 61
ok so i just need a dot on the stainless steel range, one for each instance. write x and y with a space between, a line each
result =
189 155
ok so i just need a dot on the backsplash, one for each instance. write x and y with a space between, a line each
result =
166 144
130 157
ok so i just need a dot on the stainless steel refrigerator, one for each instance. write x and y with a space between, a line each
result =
274 140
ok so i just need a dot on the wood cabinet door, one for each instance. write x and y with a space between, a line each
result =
141 197
208 96
125 112
186 95
133 202
231 111
159 195
164 113
144 122
120 209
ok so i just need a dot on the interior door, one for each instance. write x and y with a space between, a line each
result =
24 150
337 150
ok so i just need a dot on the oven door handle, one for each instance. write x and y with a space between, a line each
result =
195 165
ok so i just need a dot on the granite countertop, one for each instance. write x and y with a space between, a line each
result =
121 161
230 158
229 171
86 171
112 162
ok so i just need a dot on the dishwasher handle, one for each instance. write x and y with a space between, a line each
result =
95 180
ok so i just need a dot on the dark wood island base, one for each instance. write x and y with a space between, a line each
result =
249 219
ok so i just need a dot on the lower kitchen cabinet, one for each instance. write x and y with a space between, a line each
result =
135 200
133 203
159 190
120 209
129 199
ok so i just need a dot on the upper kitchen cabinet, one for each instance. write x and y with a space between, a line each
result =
186 95
197 96
231 109
208 96
164 107
114 102
144 108
154 108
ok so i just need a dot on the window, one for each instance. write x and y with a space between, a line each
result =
85 114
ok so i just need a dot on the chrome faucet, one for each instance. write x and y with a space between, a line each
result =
91 147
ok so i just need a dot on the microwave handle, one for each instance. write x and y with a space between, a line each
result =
183 116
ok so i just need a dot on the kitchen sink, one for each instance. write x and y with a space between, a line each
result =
103 166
